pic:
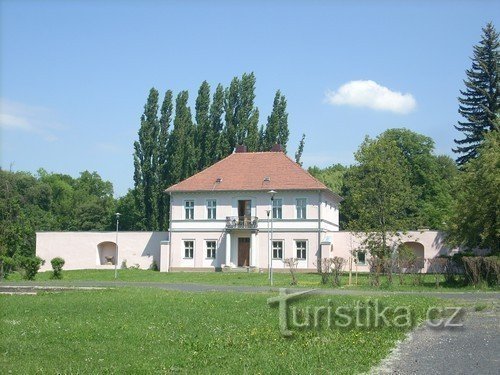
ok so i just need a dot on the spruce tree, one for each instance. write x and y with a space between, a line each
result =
162 171
145 158
203 128
480 101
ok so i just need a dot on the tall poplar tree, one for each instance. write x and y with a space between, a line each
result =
203 129
300 150
480 101
182 153
231 110
277 124
247 132
216 143
163 170
145 158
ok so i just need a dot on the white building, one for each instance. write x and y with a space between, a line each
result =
219 217
225 217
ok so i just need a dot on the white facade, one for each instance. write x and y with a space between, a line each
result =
198 219
97 250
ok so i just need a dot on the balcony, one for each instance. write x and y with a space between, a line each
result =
241 222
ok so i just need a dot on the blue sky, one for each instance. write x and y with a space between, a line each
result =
74 75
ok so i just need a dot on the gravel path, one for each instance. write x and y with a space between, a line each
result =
471 349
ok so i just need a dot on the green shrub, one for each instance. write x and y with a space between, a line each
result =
57 265
30 266
7 265
154 266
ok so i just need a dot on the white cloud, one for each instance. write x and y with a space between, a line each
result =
32 119
372 95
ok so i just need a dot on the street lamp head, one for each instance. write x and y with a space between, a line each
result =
118 215
272 192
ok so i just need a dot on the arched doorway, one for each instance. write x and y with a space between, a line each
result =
418 251
106 253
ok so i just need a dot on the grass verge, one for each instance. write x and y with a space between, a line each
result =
305 280
129 330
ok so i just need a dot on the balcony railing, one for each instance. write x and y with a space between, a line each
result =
241 222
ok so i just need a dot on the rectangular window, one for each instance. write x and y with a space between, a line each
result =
189 210
188 249
361 256
277 249
301 208
211 209
211 246
277 208
301 249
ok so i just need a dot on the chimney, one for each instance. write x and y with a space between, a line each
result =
277 148
240 149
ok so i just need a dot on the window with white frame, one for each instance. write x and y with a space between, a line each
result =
277 249
211 248
211 209
188 249
277 208
361 257
301 246
189 210
301 208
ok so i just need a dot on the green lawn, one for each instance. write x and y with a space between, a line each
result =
146 330
305 280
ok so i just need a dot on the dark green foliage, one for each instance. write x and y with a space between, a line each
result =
204 137
183 161
480 101
241 115
7 266
475 221
381 201
332 177
162 167
146 158
277 124
154 266
57 266
300 150
50 201
216 141
431 177
29 266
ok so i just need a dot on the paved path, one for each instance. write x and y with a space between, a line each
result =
471 349
50 285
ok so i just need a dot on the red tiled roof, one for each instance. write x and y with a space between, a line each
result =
251 171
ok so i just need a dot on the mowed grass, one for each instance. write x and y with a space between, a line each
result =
146 330
281 279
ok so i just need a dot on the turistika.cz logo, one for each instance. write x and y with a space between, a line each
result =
366 314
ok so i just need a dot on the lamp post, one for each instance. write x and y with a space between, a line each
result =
268 247
116 244
272 192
